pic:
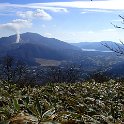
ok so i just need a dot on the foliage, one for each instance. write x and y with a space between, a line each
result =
14 71
61 103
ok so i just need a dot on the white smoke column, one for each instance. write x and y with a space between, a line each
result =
19 24
18 37
16 26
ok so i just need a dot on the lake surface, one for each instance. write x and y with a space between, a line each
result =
94 50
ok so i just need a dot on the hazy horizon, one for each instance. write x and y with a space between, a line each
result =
58 39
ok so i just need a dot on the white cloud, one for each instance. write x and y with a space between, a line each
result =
90 36
44 7
109 30
27 14
20 23
39 13
42 14
117 20
5 14
43 26
109 4
90 32
33 6
96 10
49 35
59 10
16 26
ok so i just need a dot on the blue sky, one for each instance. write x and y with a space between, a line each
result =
67 20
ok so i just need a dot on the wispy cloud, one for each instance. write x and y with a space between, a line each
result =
109 4
62 6
84 12
109 34
5 14
96 10
103 6
117 20
48 35
43 26
39 13
16 24
34 6
30 11
109 30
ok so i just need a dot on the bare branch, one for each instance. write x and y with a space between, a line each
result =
121 17
117 49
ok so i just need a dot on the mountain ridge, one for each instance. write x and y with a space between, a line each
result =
32 46
96 46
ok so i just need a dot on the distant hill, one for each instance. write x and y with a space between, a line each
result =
33 46
94 46
116 70
35 49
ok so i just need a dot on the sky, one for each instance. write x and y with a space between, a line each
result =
71 21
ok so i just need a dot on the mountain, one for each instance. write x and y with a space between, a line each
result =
34 38
35 49
33 46
94 46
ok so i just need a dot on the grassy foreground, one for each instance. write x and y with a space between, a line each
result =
77 103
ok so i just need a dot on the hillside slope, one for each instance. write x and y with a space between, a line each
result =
33 46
